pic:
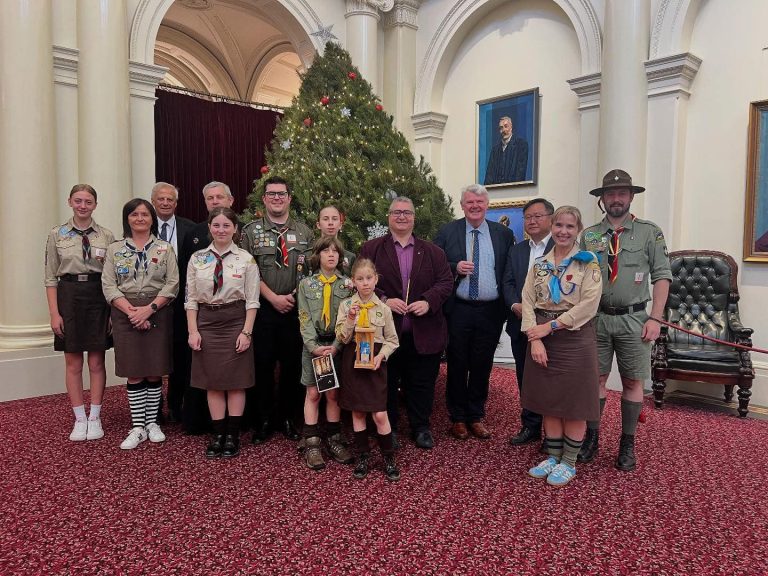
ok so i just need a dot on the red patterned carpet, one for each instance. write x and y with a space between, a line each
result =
696 505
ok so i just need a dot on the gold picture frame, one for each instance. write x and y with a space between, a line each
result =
756 205
509 213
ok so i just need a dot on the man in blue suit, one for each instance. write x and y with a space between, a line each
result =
477 254
537 221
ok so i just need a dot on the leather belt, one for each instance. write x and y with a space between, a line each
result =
549 314
141 294
220 306
92 277
621 310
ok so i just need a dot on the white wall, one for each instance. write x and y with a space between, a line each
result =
518 46
731 40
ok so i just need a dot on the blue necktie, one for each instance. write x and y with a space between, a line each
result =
474 278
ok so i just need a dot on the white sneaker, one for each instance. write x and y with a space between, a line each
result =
154 433
136 437
95 431
79 431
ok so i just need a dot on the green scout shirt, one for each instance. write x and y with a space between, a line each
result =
310 300
261 238
642 255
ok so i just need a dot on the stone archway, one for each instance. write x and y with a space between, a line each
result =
672 27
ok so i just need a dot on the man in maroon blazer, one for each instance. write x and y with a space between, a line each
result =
415 280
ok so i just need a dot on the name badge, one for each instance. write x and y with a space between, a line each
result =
237 275
639 277
291 237
99 252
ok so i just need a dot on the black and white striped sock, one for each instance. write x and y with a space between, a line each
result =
137 399
154 392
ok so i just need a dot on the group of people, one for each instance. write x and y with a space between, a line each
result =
262 300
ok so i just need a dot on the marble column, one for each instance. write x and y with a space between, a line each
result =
103 106
623 92
144 81
669 88
27 163
400 26
362 36
587 88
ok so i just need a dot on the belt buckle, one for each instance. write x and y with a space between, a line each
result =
82 277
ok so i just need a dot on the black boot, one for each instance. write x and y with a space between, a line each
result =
231 446
626 460
590 446
361 468
215 447
390 468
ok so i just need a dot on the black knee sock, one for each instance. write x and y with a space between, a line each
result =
310 430
154 394
219 426
332 428
386 444
361 441
233 425
630 412
595 424
137 400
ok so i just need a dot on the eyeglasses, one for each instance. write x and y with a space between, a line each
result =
398 213
532 217
272 194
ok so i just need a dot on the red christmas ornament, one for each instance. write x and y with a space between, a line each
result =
324 100
307 121
379 107
352 75
264 169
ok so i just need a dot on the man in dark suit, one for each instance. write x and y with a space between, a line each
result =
508 161
477 254
414 281
537 220
174 229
195 406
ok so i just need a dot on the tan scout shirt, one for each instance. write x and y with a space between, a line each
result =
581 286
240 278
380 317
124 275
310 300
261 238
642 257
64 252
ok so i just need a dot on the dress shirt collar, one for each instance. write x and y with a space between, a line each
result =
231 248
543 242
484 228
410 242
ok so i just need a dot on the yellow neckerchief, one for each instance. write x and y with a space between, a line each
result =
327 283
362 319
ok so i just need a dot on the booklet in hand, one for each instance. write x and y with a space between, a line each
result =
325 373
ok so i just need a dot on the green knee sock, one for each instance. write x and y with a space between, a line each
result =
595 424
630 412
571 449
554 447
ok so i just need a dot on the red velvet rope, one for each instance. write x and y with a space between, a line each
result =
710 338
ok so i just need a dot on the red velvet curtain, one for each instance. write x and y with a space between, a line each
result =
197 141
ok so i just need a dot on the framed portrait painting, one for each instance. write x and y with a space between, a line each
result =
508 139
756 210
509 213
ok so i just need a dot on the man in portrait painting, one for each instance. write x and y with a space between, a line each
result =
509 157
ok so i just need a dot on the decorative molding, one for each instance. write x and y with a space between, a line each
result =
671 28
429 125
460 19
145 78
65 64
19 337
672 74
404 13
197 4
368 7
587 88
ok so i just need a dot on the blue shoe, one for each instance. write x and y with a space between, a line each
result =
543 468
561 475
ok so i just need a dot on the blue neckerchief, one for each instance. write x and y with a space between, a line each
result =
555 275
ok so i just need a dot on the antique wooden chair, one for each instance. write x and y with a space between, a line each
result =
703 298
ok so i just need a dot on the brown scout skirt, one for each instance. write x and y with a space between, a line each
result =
85 313
569 386
361 389
140 353
217 366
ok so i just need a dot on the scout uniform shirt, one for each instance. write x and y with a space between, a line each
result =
64 251
580 285
380 319
642 254
310 299
262 239
138 273
240 278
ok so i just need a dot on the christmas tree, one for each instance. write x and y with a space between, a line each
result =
336 145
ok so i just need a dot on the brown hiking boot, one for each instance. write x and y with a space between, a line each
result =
338 450
313 454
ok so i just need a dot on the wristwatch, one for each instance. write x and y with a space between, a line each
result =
153 306
554 325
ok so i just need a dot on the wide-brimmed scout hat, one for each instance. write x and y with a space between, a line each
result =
616 179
